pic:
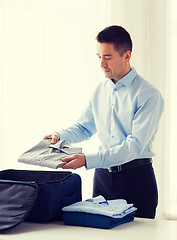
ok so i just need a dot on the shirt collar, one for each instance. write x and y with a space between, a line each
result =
127 79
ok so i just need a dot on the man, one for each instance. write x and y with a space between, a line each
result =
125 111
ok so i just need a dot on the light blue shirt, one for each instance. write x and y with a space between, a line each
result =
126 117
117 208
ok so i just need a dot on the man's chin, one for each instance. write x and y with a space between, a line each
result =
107 75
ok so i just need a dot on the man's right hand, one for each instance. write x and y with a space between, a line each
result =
54 137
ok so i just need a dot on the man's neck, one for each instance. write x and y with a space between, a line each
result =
123 75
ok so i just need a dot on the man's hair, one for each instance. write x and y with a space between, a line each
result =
118 36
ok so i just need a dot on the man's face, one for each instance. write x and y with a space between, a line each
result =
114 66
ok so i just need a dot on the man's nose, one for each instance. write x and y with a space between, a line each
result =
103 63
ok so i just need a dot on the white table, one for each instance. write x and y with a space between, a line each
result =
139 229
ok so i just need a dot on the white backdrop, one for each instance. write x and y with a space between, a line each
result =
170 164
48 69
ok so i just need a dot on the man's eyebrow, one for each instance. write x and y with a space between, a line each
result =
105 55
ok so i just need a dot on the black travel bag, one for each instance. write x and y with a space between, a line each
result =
36 196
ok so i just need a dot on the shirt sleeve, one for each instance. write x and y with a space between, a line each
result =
144 126
82 130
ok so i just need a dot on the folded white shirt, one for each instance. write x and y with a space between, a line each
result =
50 155
117 208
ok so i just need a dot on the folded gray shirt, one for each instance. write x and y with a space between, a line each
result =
49 155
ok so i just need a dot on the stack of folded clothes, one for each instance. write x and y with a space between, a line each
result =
99 213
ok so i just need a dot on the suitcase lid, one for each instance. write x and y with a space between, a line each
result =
34 175
16 200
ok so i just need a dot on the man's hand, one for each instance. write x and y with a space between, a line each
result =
54 137
74 162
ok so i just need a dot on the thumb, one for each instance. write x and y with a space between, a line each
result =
68 159
55 138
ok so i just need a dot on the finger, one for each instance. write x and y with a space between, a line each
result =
68 159
64 166
69 165
47 137
54 138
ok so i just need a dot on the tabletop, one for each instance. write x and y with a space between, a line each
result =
139 229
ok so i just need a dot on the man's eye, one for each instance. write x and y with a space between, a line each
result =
107 58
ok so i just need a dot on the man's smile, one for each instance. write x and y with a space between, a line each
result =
106 70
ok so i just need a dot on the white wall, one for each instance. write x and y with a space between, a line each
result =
48 67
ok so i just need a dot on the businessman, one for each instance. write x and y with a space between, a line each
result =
125 111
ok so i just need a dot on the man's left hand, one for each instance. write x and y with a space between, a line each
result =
74 162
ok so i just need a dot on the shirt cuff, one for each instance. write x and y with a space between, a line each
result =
92 160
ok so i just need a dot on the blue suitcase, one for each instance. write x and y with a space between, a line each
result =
36 196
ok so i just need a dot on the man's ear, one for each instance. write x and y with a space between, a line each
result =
127 55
